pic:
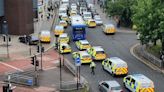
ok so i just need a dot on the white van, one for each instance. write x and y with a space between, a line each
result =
87 16
65 2
62 11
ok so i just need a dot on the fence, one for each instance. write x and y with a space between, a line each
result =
28 78
151 58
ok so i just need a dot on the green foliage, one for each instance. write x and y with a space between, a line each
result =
148 16
120 8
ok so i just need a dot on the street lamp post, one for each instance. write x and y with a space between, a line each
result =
6 37
58 48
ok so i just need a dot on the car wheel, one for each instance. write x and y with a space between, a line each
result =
103 67
113 74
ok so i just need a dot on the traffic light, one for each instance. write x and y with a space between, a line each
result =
4 38
33 60
42 49
38 48
37 62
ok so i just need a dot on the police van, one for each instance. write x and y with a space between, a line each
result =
138 83
115 66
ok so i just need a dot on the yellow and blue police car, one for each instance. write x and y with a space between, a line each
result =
83 55
97 52
64 48
82 44
63 38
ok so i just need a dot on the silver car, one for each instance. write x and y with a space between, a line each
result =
110 86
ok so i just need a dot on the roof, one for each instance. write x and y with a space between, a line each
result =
109 25
63 35
64 44
83 53
59 27
61 21
98 48
86 12
113 83
117 60
45 32
77 20
141 78
84 41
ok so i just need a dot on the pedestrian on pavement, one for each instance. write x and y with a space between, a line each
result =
92 66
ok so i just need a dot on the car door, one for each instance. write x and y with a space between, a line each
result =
104 87
105 64
109 66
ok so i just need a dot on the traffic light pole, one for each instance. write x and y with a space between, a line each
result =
41 57
7 37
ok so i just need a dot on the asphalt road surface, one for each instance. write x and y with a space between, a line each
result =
115 45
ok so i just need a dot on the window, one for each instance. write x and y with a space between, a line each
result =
110 63
105 85
128 78
132 81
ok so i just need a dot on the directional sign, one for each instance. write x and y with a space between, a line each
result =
77 62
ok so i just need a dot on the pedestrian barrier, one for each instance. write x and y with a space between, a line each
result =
24 78
151 58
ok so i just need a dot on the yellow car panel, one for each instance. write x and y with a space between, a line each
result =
59 30
45 36
63 38
91 23
67 48
109 28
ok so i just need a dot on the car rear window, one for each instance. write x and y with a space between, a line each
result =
116 88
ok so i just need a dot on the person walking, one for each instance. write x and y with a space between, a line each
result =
92 66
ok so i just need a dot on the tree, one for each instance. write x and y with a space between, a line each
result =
120 8
148 16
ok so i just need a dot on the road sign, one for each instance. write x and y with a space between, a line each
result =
77 62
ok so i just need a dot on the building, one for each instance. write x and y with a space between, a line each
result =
19 15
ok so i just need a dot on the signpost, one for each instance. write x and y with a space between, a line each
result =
78 64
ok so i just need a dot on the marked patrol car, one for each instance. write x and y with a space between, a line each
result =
63 38
45 36
63 23
109 28
82 44
64 48
83 55
97 53
58 30
138 83
115 66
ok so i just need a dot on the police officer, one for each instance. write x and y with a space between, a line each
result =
92 66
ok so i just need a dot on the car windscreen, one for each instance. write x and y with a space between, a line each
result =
116 88
86 56
100 52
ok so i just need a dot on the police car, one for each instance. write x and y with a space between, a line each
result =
82 44
138 83
97 53
83 55
115 66
63 23
64 48
63 38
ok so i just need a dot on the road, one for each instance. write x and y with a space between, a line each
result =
115 45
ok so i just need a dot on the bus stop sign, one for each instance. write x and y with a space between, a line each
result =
77 62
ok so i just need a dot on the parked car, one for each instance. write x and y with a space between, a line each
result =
110 86
31 40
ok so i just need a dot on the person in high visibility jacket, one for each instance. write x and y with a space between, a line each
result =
92 66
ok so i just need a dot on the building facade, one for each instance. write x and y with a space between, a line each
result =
19 16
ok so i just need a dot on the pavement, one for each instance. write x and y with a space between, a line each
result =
19 60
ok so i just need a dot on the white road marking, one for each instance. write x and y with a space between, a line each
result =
11 66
